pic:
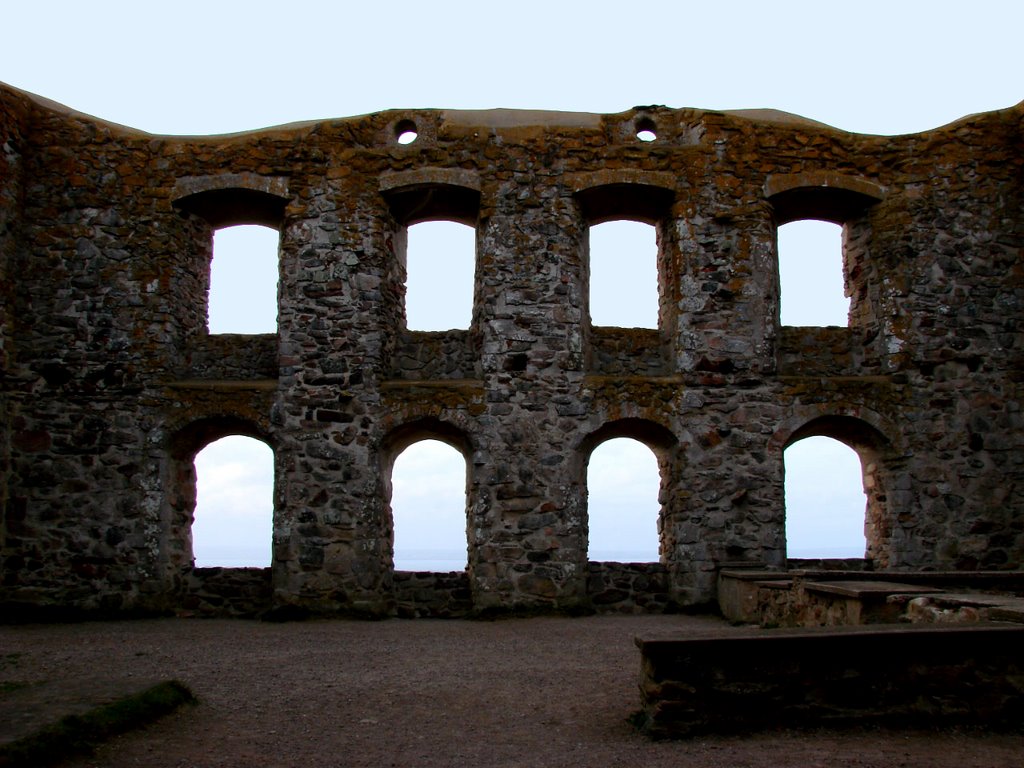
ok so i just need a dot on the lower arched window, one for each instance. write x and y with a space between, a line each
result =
233 520
623 483
428 508
825 501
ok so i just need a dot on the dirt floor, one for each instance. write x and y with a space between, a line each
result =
526 692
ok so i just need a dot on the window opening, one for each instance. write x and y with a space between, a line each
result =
624 275
645 130
811 274
623 483
243 280
825 500
440 263
405 132
233 522
428 508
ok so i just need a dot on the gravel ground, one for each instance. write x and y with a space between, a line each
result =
528 692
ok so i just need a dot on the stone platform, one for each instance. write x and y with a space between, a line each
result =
821 597
891 676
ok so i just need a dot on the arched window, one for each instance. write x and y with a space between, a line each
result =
435 211
806 201
440 263
811 274
428 508
233 520
825 500
624 274
243 280
623 483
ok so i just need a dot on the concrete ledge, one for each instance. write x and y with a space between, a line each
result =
898 676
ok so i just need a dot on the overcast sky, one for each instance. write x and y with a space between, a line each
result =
211 67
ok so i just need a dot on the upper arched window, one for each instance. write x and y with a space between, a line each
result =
623 486
243 280
811 274
243 214
435 210
624 274
440 262
233 519
624 214
820 263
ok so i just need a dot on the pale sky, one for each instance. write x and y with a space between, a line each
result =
211 67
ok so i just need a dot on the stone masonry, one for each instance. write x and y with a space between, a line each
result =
111 382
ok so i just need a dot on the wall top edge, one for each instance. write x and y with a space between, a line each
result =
495 119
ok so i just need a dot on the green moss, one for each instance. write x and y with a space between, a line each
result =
78 734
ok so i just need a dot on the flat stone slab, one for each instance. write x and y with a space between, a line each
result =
978 600
776 584
867 589
741 574
892 676
997 607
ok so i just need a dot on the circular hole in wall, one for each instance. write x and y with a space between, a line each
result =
645 130
405 132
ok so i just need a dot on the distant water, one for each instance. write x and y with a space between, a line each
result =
444 562
435 560
622 556
232 562
825 553
435 566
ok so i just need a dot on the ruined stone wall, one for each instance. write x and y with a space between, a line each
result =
12 147
113 382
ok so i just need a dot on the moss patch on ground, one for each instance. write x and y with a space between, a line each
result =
79 734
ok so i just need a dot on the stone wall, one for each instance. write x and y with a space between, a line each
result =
112 382
420 594
237 592
629 587
894 677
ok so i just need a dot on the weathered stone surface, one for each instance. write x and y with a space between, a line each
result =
111 382
835 597
240 592
895 677
434 595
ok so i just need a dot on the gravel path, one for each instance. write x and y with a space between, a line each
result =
530 692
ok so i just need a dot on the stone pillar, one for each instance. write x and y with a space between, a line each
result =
331 542
528 526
